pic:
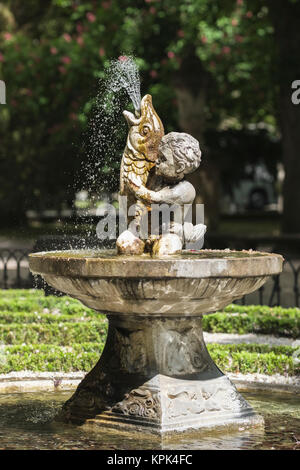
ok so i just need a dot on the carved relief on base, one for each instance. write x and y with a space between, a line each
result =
204 399
139 403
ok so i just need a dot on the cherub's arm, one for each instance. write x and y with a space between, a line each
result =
148 196
181 193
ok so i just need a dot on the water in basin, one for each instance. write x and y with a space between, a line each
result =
25 423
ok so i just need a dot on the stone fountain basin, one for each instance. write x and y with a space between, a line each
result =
189 284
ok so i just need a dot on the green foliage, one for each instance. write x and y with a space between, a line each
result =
237 359
52 54
63 333
8 317
34 301
255 319
49 358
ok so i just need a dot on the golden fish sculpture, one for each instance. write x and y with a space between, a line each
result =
140 154
144 136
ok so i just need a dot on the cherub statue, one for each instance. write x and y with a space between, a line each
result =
178 155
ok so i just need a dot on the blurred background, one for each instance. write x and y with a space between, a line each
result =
221 71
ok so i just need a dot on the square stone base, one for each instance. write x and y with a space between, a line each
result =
167 405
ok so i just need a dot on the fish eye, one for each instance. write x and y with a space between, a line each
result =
145 130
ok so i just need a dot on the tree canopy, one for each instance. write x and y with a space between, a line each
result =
212 65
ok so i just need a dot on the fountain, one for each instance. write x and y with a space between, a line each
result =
155 374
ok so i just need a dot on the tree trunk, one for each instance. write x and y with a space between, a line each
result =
286 20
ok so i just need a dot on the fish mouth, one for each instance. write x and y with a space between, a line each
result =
135 119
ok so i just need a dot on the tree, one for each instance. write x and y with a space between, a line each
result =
209 65
285 16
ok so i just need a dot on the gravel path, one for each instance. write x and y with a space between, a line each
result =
231 338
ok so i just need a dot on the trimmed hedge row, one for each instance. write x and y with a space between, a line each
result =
40 304
263 310
61 333
7 317
249 362
230 358
262 323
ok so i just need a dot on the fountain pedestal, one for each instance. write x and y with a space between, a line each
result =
155 373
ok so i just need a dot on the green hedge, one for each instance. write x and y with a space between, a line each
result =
258 321
43 304
245 362
241 358
7 317
63 333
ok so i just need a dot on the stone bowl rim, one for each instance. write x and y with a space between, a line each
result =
255 263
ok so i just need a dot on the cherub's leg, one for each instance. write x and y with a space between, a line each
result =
130 241
167 244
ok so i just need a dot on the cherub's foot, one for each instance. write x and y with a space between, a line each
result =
167 244
130 244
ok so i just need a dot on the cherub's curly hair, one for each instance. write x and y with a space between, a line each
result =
180 143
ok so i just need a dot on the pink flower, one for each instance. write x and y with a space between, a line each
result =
226 50
122 58
249 14
91 17
239 2
152 10
153 73
234 22
53 50
80 40
171 55
67 37
62 69
1 57
101 52
7 36
66 59
180 33
148 1
79 28
204 39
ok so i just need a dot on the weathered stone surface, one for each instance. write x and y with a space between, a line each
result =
156 297
203 264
